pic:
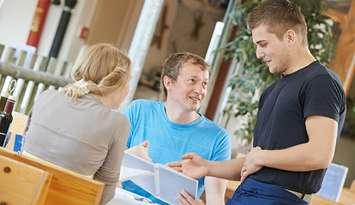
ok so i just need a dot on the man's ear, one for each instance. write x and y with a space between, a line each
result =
290 36
168 82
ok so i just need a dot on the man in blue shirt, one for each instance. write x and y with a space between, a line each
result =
173 127
298 121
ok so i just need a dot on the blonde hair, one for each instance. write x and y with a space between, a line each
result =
100 68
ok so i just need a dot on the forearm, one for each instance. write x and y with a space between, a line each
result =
215 189
229 169
299 158
108 193
110 183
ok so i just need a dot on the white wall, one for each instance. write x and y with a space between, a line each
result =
49 28
155 56
15 21
81 16
16 18
179 19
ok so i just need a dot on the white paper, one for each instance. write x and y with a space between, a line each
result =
159 180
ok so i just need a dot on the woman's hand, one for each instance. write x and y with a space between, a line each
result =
141 150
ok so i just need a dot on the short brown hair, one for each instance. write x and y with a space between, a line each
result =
279 15
173 64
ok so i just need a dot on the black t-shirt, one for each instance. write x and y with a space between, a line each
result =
283 109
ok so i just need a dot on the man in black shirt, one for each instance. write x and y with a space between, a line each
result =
299 117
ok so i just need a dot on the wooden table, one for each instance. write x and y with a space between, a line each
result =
347 197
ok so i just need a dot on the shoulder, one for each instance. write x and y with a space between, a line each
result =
219 138
319 72
49 96
213 128
141 109
119 123
121 119
324 78
143 104
49 93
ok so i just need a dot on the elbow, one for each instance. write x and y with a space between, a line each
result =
320 162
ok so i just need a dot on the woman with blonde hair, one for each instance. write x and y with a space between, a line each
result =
77 128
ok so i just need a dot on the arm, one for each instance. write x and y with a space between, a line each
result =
215 189
317 153
108 173
229 169
194 166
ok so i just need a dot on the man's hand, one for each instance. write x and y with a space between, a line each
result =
250 165
191 165
186 199
141 150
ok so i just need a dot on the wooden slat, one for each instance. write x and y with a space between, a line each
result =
21 183
66 187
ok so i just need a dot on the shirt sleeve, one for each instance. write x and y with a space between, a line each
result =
222 150
108 173
323 96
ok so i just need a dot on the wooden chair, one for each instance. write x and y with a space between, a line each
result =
66 187
21 183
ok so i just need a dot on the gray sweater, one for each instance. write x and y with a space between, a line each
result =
83 136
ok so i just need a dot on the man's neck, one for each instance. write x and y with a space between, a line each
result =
178 115
299 60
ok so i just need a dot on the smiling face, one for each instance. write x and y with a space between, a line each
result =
190 87
270 49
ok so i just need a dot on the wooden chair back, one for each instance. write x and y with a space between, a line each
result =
66 187
21 183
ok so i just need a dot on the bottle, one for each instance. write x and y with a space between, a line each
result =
3 100
5 120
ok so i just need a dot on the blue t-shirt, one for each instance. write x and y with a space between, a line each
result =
168 141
